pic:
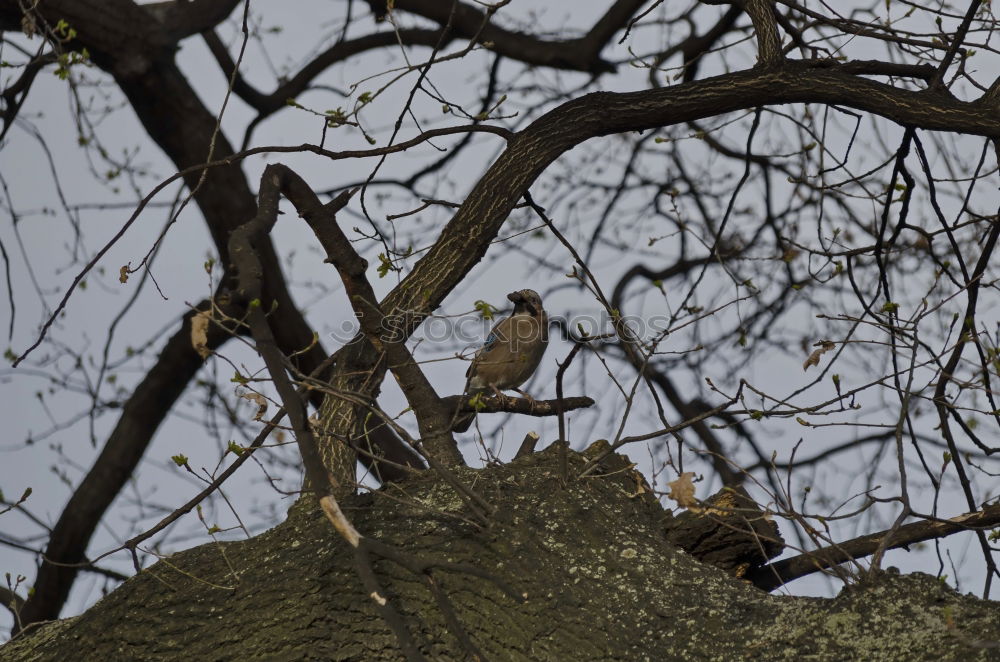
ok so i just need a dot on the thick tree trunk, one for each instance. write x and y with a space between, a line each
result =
601 583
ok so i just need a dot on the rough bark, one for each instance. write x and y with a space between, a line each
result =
729 531
601 580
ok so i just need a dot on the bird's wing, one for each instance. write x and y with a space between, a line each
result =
491 339
489 344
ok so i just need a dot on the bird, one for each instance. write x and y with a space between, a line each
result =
511 353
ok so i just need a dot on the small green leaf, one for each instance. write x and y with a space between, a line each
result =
384 265
485 309
179 460
477 402
335 117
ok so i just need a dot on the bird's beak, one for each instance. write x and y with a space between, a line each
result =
515 297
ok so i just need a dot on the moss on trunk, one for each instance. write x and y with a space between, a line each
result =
602 583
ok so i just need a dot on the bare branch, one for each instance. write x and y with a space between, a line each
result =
781 572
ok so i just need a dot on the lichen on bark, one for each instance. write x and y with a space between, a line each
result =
601 580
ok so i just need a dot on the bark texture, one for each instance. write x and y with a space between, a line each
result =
601 580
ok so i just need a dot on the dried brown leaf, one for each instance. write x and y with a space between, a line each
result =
28 25
682 490
261 403
199 333
822 347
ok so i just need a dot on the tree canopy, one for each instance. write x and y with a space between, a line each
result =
764 233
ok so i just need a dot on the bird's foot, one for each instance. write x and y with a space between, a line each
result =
499 395
527 396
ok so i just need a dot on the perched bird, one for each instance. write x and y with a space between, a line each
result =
512 351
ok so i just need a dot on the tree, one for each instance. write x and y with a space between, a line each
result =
775 181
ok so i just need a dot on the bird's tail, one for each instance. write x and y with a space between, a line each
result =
463 422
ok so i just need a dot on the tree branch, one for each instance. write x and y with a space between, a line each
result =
183 19
494 404
765 24
380 332
250 271
465 239
267 104
12 601
772 576
581 54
